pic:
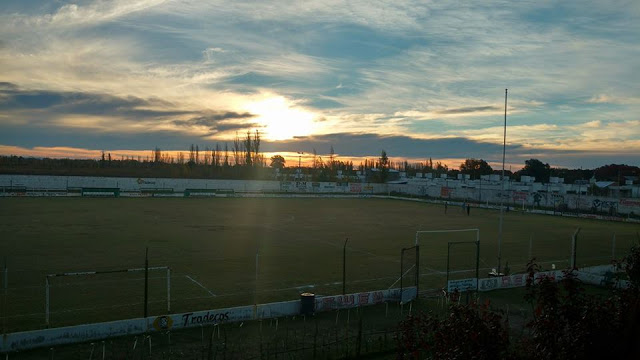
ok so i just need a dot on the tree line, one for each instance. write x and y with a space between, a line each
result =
244 160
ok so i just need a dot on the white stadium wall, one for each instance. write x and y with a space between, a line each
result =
517 195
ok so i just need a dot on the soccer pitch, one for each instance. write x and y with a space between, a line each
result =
213 245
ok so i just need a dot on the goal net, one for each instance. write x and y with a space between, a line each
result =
447 255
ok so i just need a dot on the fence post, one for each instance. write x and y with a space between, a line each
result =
401 270
574 245
5 303
315 339
417 271
210 352
530 247
344 267
168 290
46 291
359 341
146 281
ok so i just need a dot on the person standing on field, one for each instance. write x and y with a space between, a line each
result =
468 209
445 206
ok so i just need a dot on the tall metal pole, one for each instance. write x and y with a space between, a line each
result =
504 150
46 301
344 267
448 250
168 290
477 262
4 296
417 270
401 270
146 282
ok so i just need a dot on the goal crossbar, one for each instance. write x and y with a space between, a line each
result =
84 273
477 231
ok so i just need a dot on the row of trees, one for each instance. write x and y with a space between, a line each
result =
244 152
244 160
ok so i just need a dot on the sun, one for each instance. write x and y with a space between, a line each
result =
281 119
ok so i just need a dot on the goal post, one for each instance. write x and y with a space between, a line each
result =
48 278
415 267
451 243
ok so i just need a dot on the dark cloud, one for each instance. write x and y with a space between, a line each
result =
466 110
7 86
12 98
218 122
348 144
60 102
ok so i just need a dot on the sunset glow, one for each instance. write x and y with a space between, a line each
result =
280 120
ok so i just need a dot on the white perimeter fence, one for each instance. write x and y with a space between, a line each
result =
89 332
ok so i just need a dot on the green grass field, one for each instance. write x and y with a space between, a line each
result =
211 245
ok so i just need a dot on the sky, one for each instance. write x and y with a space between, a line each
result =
418 79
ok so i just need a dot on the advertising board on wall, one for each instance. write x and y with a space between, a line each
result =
91 332
462 285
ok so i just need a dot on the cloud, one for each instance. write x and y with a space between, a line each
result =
72 15
467 110
220 122
608 99
370 67
64 102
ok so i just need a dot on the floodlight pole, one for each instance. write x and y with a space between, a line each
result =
504 150
344 267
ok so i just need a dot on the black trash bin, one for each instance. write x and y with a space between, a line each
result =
307 303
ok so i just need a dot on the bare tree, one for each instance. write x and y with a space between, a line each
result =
192 154
236 149
248 149
332 154
217 160
226 155
257 158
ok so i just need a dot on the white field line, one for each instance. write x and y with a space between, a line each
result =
202 286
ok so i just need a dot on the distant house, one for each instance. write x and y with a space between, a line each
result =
373 175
